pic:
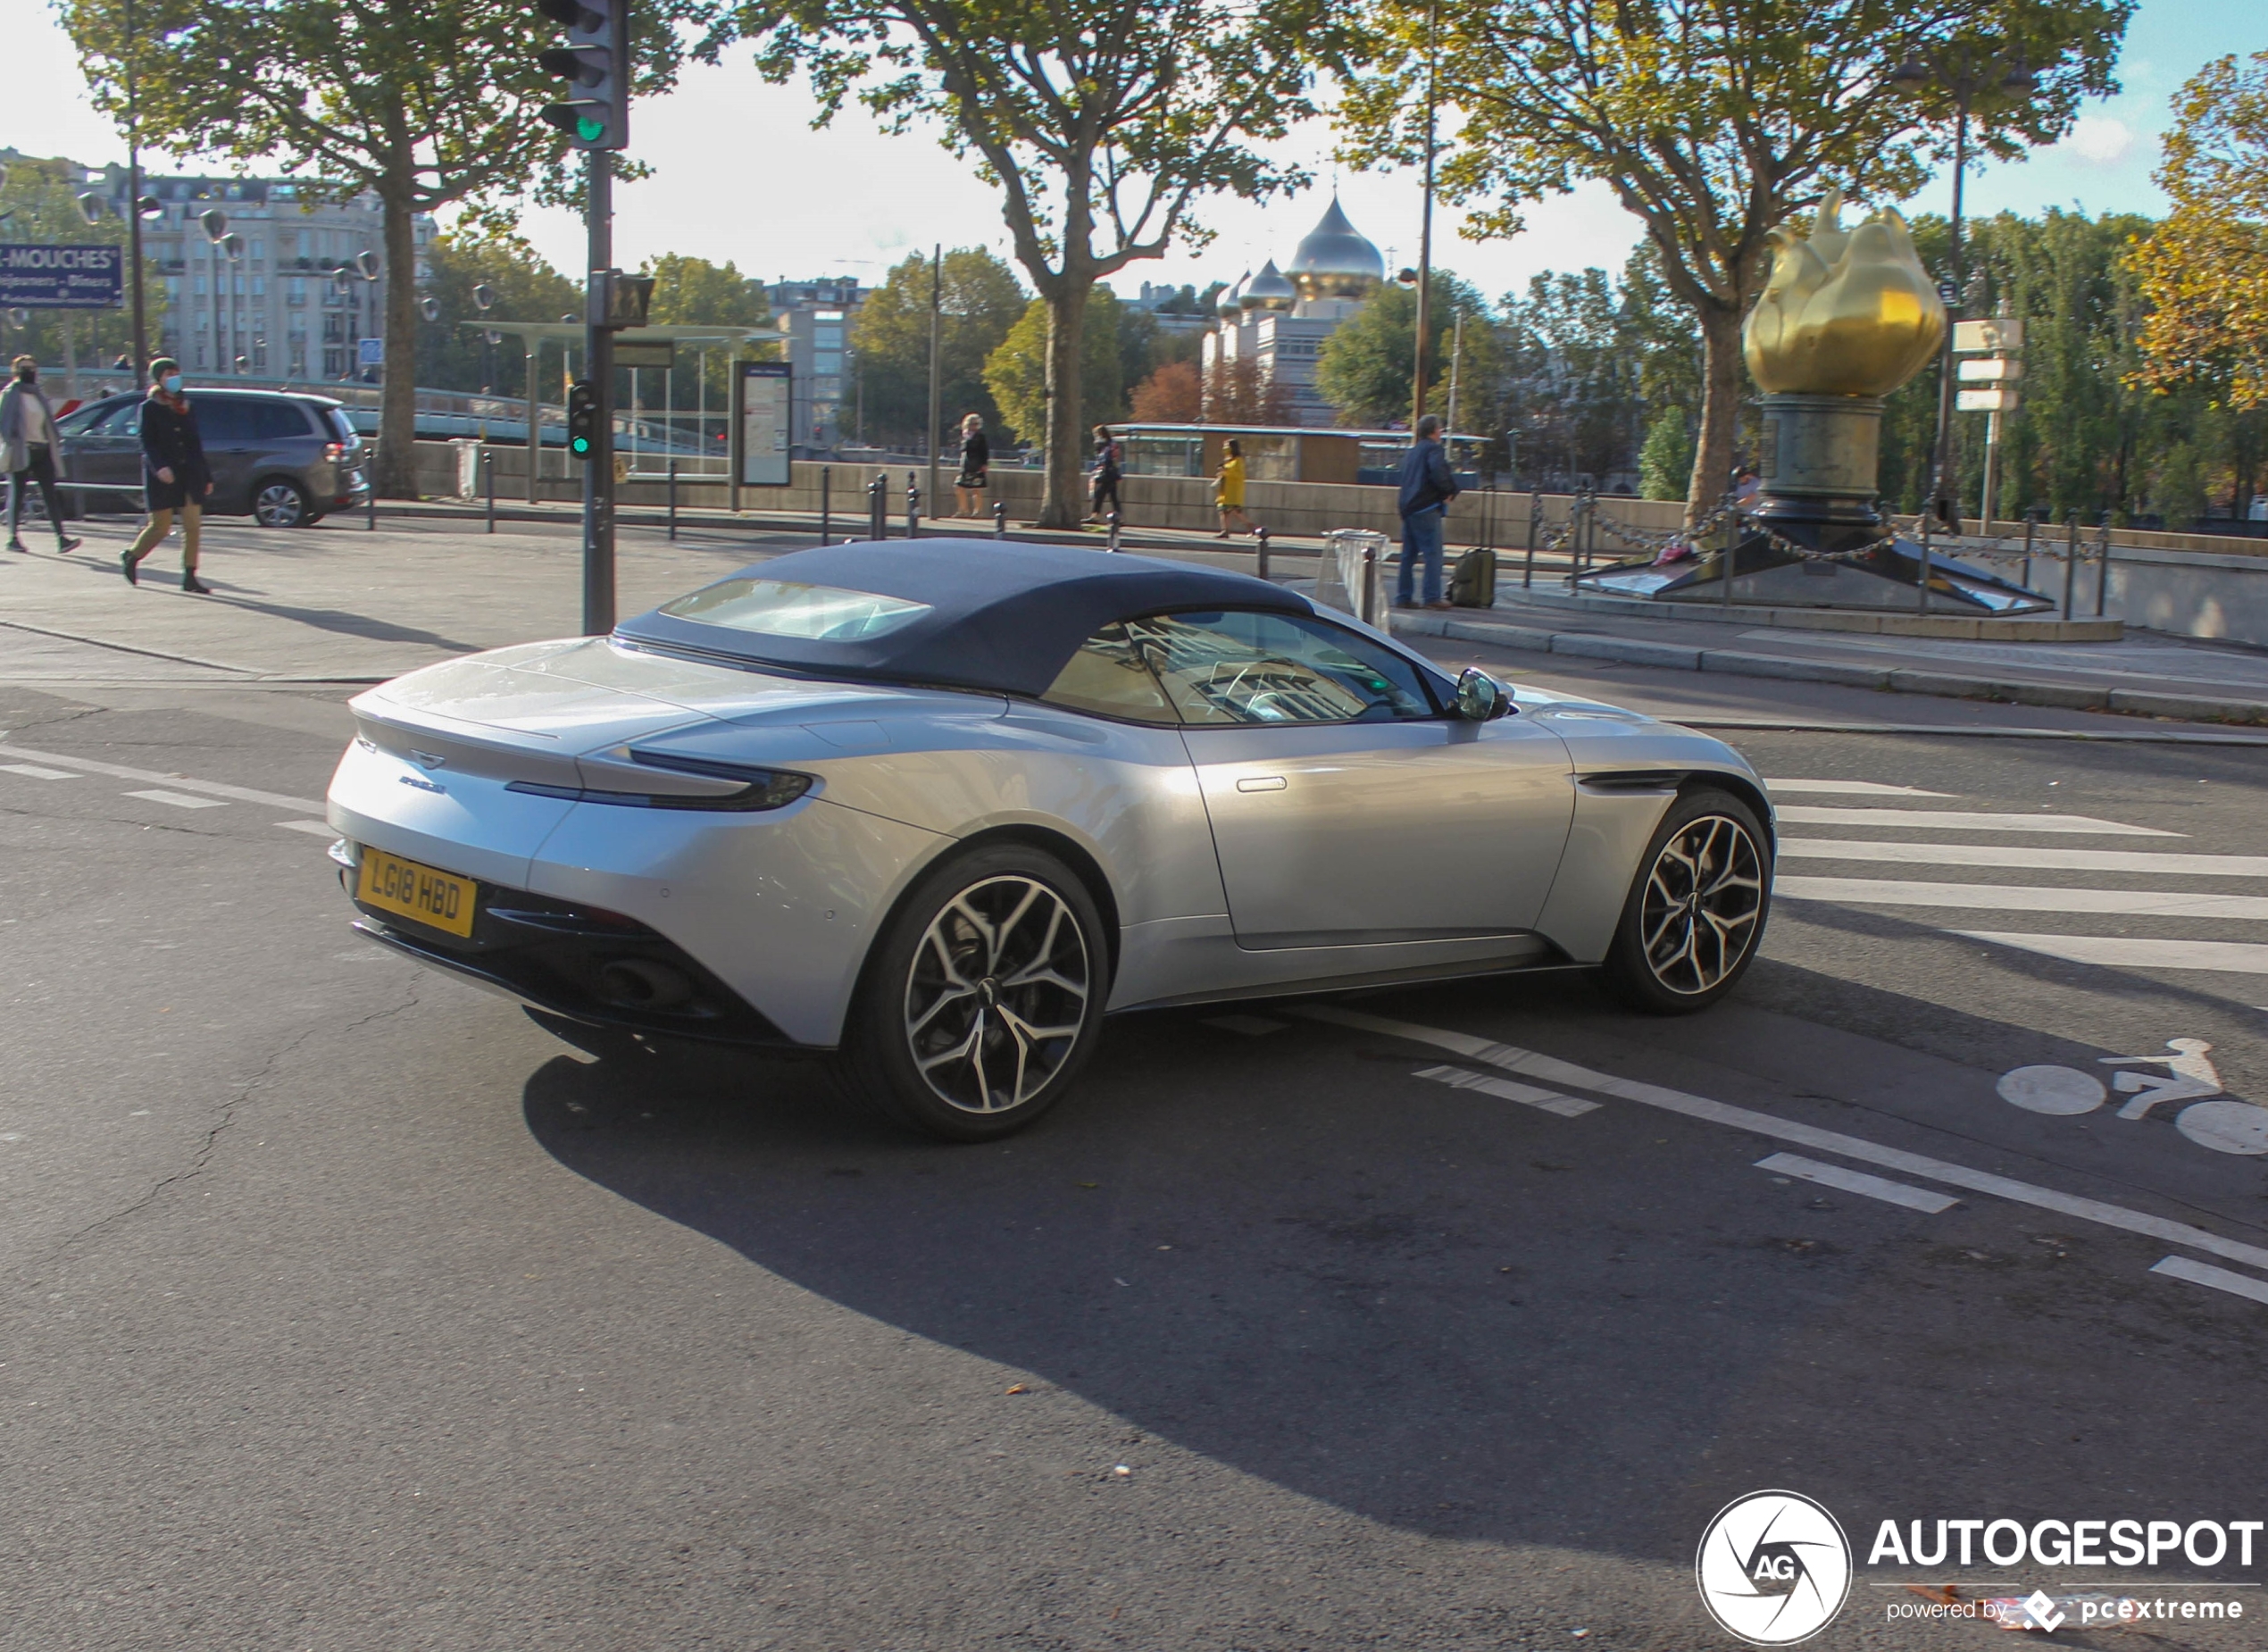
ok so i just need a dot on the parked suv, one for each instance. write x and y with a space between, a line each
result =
285 459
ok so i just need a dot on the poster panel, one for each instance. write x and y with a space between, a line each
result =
763 424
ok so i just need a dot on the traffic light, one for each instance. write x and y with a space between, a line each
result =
582 418
595 113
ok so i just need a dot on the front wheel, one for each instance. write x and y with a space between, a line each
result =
983 999
1695 912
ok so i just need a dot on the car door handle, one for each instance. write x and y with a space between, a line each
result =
1261 783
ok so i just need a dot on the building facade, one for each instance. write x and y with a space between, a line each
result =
307 287
1278 320
814 319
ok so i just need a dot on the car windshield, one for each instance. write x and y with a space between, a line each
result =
782 608
341 424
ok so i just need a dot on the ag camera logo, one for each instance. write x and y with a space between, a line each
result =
1774 1569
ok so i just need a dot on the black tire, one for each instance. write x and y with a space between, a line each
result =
278 502
940 1035
1695 916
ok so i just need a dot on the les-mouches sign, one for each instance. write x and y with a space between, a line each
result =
63 277
763 424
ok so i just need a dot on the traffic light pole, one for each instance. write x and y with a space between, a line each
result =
598 344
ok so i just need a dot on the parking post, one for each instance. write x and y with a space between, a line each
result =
673 498
2071 558
999 519
2031 527
489 473
2102 564
912 507
1724 570
1535 532
826 502
370 505
877 507
1114 532
1260 542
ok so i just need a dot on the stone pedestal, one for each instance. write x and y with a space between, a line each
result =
1820 460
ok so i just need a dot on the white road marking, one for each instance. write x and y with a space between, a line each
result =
35 773
1771 1127
1968 820
2019 855
2220 1279
179 800
1882 1188
1251 1026
210 789
1527 1095
2234 957
1855 789
2019 897
314 829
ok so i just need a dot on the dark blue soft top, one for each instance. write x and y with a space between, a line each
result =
1004 616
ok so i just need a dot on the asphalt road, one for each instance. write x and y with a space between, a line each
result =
343 1306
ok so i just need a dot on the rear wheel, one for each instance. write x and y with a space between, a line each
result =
984 999
1696 912
280 502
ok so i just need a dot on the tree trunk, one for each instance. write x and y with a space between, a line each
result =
397 477
1062 502
1720 410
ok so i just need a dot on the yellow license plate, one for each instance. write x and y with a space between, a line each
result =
439 898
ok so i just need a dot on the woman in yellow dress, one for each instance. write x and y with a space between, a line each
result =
1228 491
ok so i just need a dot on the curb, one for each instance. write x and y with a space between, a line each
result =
1883 678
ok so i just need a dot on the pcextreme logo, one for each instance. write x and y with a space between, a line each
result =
1775 1568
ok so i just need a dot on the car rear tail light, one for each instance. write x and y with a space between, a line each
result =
334 450
760 789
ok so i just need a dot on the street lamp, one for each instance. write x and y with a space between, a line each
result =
1968 72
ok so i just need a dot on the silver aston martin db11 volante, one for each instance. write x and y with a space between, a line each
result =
933 808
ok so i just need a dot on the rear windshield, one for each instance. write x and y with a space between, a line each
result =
782 608
341 425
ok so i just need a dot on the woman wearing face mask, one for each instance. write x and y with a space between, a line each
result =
28 432
174 475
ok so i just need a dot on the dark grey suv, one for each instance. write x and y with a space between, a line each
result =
282 458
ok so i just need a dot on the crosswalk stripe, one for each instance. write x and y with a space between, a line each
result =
314 829
2042 859
2230 956
1855 788
2019 897
177 800
1965 820
34 771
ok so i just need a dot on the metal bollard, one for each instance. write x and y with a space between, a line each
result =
370 506
2102 564
1731 540
1112 521
1535 532
2031 527
673 498
1367 603
826 502
1922 567
999 519
878 508
1260 551
2071 558
489 473
912 507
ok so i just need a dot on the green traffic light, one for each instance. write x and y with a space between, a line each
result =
590 130
581 445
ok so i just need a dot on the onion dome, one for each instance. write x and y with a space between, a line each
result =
1269 290
1337 260
1231 301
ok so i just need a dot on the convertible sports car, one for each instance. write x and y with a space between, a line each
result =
932 808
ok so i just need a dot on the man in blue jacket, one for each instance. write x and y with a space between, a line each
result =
1428 485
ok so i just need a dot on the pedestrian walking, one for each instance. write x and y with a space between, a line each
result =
976 464
175 478
1428 485
28 432
1104 484
1227 489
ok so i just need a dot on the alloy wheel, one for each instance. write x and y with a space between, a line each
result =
996 997
1703 895
279 504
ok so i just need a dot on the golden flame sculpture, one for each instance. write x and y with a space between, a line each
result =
1845 313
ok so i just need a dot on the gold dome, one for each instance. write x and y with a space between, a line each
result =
1337 260
1230 305
1269 290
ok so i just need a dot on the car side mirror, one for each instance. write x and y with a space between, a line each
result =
1481 697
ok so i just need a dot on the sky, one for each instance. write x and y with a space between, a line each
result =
740 175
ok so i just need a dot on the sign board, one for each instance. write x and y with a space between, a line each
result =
63 277
763 424
645 352
1991 370
1986 401
2005 332
370 352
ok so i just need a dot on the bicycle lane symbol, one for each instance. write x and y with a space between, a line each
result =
2212 1119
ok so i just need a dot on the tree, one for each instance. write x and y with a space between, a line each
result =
1714 123
1364 368
2205 271
1234 393
693 292
425 106
1019 372
1665 463
1172 395
41 198
452 356
1103 121
981 300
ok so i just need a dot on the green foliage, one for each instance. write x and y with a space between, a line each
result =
43 198
693 292
1365 366
450 354
1665 463
979 301
1016 371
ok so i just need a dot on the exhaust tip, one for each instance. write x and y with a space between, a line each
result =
642 984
